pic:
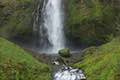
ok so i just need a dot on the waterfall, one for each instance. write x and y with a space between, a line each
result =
51 26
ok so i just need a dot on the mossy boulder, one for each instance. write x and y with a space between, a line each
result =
64 53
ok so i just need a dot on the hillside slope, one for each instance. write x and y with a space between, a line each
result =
17 64
102 63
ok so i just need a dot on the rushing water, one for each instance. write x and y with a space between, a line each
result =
54 24
51 28
69 73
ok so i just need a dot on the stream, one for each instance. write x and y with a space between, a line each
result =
64 72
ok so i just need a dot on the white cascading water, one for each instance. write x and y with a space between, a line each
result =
53 22
69 73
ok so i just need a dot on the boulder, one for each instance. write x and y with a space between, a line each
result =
64 53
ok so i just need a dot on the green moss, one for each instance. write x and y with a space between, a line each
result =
64 53
17 64
102 63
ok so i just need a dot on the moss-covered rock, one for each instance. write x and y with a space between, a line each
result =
64 53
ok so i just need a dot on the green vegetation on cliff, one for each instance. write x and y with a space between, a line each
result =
16 18
17 64
92 21
102 63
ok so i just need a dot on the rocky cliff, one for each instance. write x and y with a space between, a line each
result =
92 21
17 18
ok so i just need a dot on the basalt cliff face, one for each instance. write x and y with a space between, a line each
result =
17 18
92 21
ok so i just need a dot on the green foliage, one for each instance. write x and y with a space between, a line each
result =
16 18
90 21
102 63
17 64
64 53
